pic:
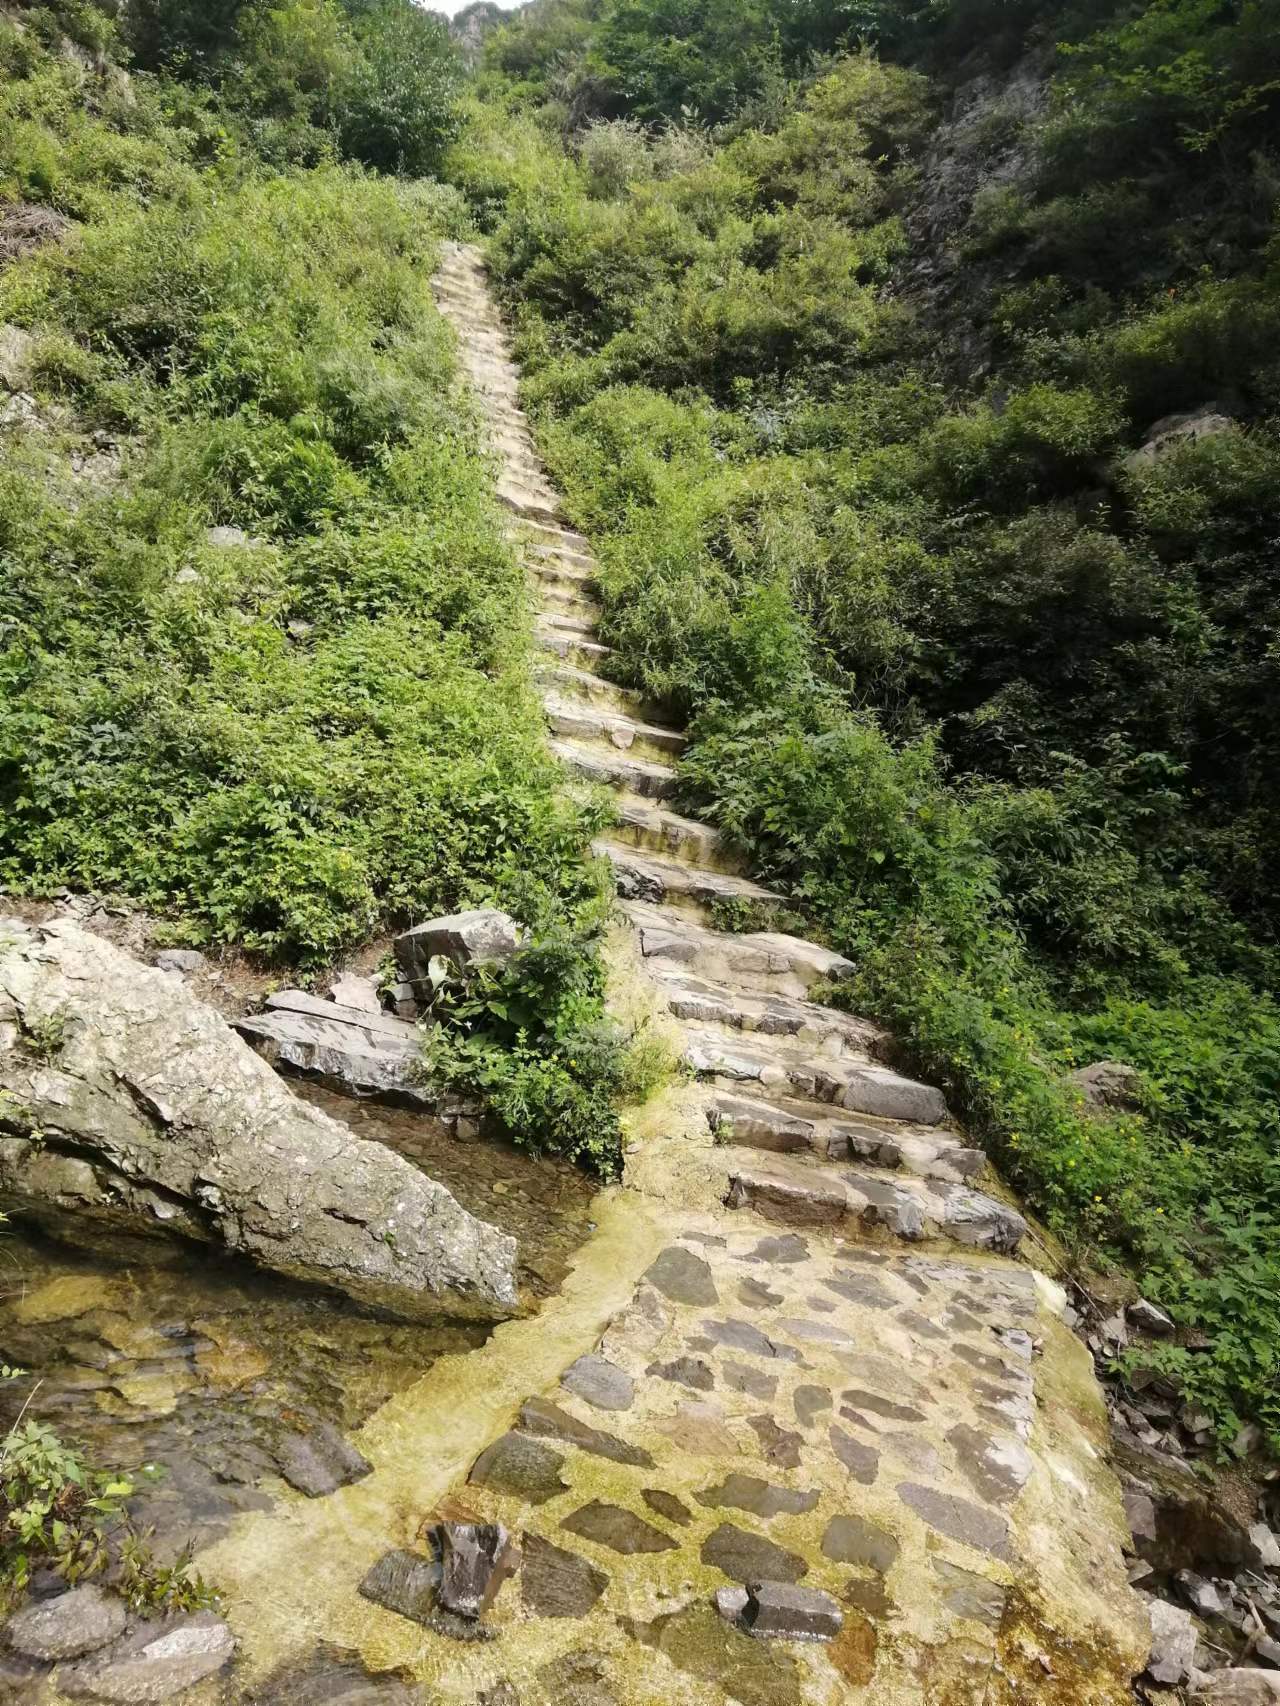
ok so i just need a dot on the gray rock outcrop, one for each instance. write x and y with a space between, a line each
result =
1108 1085
464 939
128 1107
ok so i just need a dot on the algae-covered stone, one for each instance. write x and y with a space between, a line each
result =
557 1583
759 1497
617 1528
404 1582
854 1540
747 1557
525 1467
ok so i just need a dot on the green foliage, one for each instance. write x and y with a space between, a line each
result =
294 740
532 1040
395 109
57 1512
988 696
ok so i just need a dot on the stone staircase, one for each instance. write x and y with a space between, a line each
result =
812 1126
738 1463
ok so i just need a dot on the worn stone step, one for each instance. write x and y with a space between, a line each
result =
545 533
558 622
525 470
788 1127
704 1001
687 888
564 558
580 583
614 769
765 960
779 1067
574 647
579 720
512 440
658 829
556 600
576 683
802 1191
525 500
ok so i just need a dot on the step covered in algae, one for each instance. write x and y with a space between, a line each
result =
911 1444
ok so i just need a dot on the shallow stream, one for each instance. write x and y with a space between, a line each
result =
192 1370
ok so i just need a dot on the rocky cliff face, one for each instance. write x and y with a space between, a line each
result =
128 1109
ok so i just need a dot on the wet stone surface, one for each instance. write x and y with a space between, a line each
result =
556 1582
864 1462
617 1528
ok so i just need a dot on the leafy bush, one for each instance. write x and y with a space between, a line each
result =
533 1041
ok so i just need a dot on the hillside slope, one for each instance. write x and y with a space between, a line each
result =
923 404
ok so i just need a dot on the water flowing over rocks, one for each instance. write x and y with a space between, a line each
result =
131 1110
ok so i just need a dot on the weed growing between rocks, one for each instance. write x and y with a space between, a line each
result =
58 1512
532 1040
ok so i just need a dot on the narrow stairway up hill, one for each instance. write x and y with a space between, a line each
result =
802 1427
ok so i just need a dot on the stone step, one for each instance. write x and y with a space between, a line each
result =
579 720
804 1127
565 558
576 649
585 684
801 1191
657 829
764 960
547 534
778 1068
613 769
556 622
525 471
525 500
468 310
686 888
556 600
565 576
704 1001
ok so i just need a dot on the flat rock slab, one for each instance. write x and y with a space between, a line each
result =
406 1583
601 1383
319 1462
154 1663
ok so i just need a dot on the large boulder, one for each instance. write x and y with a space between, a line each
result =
486 936
129 1107
1174 432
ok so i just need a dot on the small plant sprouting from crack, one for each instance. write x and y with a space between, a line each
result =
45 1035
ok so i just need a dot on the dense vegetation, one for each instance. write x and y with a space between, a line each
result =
848 367
263 641
845 337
